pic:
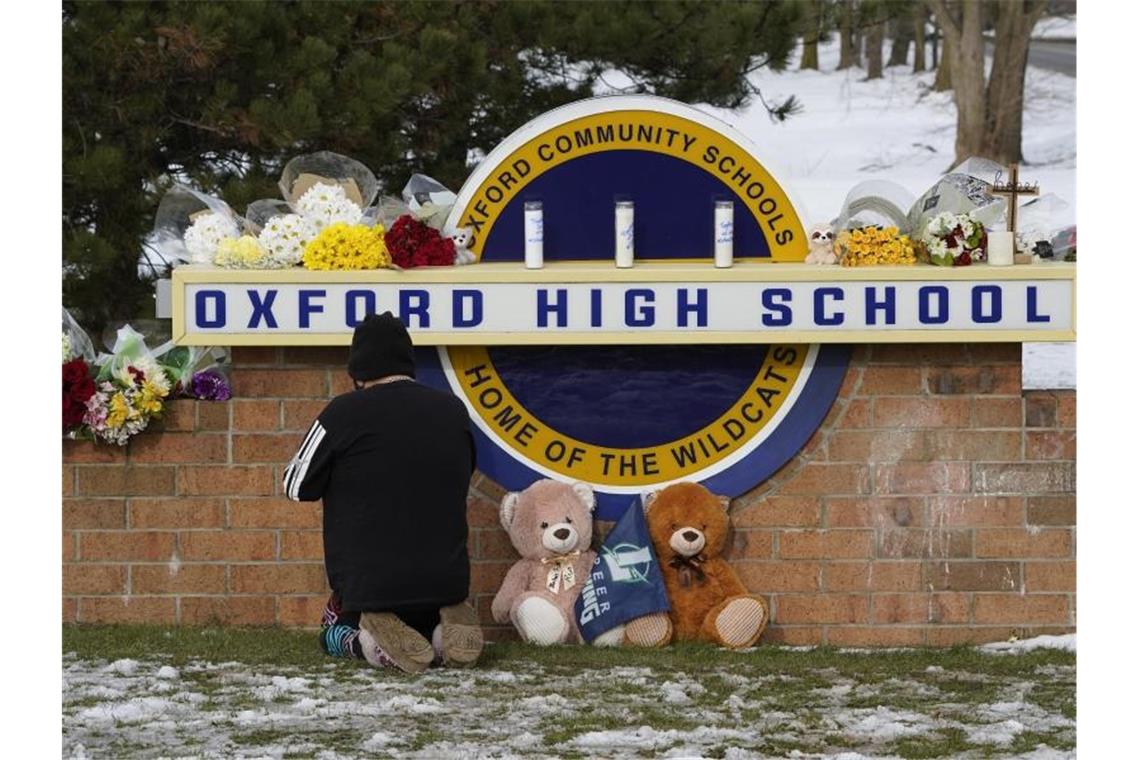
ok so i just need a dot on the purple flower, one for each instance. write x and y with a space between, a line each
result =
210 386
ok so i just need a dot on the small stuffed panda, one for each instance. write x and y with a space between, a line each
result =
463 237
821 245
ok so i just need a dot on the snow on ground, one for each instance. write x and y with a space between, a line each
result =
1056 28
144 708
1067 642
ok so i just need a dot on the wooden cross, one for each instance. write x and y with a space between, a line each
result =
1013 189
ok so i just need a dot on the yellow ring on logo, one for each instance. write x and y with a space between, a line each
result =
507 420
709 150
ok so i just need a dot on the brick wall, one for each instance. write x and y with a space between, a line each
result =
935 505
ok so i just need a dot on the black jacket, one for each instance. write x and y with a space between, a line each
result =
392 463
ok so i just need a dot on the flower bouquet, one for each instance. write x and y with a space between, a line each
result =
873 245
413 243
954 240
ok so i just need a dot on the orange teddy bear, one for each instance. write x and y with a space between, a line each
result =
689 526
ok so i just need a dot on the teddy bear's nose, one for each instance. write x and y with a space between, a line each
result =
690 535
562 534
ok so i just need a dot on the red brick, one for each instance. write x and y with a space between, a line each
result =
239 545
821 608
793 635
176 513
888 381
179 415
994 353
299 415
339 383
777 511
173 578
851 379
1051 444
68 480
70 546
265 447
872 576
213 415
779 576
488 489
87 578
857 415
921 412
70 610
117 480
874 636
173 448
1040 409
487 577
825 544
242 356
1067 410
827 479
1022 609
876 446
969 511
875 512
920 608
334 356
921 354
89 452
1051 510
492 543
999 412
226 481
749 544
290 578
301 610
922 477
94 513
974 445
1002 381
126 609
1035 477
1051 576
274 513
924 543
129 545
302 544
1016 543
281 383
482 513
965 575
250 415
227 610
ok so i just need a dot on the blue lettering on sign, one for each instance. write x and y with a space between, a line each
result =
976 312
873 305
459 300
783 313
415 302
1031 307
351 298
821 318
639 315
700 308
942 297
306 307
595 307
262 308
200 300
559 307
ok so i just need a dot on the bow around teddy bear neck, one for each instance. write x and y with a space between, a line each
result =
688 568
561 574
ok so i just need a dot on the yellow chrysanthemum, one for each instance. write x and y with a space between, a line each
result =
347 246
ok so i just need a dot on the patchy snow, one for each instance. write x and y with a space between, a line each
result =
1048 366
1056 28
1067 642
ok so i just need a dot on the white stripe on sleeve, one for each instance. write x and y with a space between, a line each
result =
304 453
306 457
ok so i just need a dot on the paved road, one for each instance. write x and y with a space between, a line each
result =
1054 55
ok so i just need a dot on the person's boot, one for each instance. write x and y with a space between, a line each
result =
462 636
404 646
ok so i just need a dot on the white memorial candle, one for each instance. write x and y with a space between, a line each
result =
722 234
623 234
999 248
532 229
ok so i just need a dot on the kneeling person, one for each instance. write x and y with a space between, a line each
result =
392 461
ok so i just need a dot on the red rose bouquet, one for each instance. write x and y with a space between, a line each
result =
78 387
412 243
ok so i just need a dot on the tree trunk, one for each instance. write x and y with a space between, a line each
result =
810 57
965 48
846 41
1006 89
919 38
944 78
875 51
900 42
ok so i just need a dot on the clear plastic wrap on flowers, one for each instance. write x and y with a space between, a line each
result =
76 343
189 226
1037 219
129 349
199 372
428 200
964 190
302 172
876 203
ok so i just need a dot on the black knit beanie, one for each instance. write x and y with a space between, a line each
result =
381 346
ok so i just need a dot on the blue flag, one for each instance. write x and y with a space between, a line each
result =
625 581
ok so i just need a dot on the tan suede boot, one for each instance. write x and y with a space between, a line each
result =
410 651
462 636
